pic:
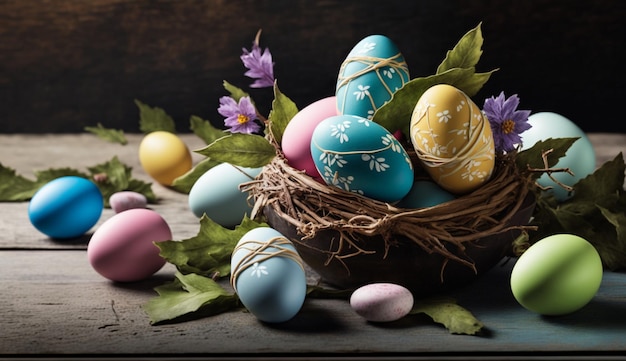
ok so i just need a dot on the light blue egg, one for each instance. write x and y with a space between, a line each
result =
273 286
216 193
66 207
358 155
580 157
425 193
371 73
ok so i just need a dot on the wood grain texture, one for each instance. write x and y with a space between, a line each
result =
67 64
52 302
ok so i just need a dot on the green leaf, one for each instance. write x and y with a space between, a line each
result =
154 119
445 311
235 92
283 109
14 187
532 157
396 113
596 212
110 135
118 177
244 150
185 182
466 53
204 129
209 252
189 296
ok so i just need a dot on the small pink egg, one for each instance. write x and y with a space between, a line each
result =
382 302
296 142
122 248
123 201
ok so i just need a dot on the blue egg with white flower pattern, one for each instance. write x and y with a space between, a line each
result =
368 77
268 275
358 155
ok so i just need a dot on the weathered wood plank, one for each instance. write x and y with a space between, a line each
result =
53 302
29 153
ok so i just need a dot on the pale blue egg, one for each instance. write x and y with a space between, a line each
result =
358 155
66 207
216 193
370 74
425 193
580 157
268 275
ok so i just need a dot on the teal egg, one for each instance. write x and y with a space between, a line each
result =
557 275
580 157
66 207
358 155
424 194
373 70
268 275
216 193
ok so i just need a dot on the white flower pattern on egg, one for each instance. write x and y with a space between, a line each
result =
367 47
362 92
389 72
375 163
258 270
339 131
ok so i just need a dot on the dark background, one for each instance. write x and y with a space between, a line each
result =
67 64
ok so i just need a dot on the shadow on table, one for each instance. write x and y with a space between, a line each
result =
598 314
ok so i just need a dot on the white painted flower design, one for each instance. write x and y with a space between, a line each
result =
339 131
444 116
362 92
367 47
375 163
258 270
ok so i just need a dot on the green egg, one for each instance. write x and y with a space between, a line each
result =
557 275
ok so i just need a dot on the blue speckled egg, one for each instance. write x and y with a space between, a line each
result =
66 207
580 158
358 155
216 193
425 193
268 275
369 76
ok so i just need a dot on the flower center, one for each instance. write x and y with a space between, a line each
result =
242 119
508 126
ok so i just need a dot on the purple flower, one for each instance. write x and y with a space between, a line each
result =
260 65
240 118
507 123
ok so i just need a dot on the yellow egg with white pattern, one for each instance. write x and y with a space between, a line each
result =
453 139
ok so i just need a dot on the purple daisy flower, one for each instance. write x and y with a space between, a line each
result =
507 123
240 117
260 65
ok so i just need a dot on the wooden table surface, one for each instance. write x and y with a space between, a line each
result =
53 303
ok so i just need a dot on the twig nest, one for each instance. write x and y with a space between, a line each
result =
351 240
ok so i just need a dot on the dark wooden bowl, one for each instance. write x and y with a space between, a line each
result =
406 263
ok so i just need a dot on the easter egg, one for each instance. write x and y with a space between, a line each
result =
453 139
424 194
369 76
580 158
125 200
382 302
358 155
122 248
296 141
216 193
557 275
268 275
164 156
66 207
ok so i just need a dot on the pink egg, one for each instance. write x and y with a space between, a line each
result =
382 302
122 248
296 142
123 201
